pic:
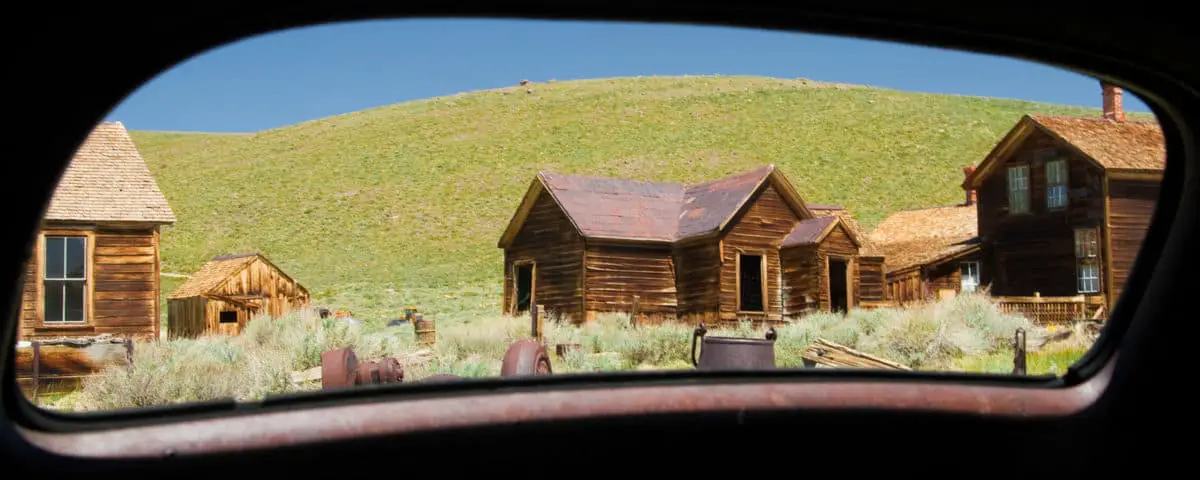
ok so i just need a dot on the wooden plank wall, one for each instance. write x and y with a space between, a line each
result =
758 231
1131 202
616 273
549 239
871 281
281 293
801 279
837 243
124 286
905 287
1036 251
212 318
186 317
698 281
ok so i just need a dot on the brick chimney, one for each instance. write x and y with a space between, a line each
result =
967 171
1112 102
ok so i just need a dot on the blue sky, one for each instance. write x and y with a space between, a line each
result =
297 75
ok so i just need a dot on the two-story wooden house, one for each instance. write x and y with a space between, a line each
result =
1064 203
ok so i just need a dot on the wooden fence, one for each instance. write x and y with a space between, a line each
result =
60 365
1053 310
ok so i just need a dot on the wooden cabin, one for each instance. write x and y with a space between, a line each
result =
819 260
928 253
705 252
228 292
1065 202
94 268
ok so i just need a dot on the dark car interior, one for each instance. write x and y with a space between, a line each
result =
1111 411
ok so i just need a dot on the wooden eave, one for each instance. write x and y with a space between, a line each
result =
829 229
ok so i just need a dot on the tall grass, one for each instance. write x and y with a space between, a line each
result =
964 333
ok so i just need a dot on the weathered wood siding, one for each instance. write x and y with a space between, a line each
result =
801 279
1035 251
1131 203
757 231
698 281
550 240
838 244
273 292
871 281
616 273
906 287
122 282
186 317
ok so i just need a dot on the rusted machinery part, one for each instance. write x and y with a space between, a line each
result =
771 335
526 357
338 368
386 370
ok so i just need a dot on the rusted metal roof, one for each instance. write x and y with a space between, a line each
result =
650 211
811 231
107 180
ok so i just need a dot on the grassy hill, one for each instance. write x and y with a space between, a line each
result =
405 203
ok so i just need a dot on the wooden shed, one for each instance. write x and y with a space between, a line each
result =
820 266
703 252
929 253
1065 202
94 268
228 292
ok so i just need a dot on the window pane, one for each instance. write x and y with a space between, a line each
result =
54 257
74 302
76 256
53 299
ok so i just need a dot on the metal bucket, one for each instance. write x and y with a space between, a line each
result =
732 353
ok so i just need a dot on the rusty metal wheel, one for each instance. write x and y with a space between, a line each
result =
338 368
526 357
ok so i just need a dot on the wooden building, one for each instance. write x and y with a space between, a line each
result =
228 292
929 253
95 264
1064 202
705 252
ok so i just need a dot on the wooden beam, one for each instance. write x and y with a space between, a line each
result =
1107 239
828 354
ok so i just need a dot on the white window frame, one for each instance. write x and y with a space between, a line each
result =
1088 274
1056 184
1018 189
964 268
1087 260
64 281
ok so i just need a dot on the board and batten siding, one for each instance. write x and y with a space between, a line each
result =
616 273
280 294
548 239
757 231
1035 251
698 281
1131 203
123 285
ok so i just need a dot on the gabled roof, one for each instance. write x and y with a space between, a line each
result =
662 212
917 237
1131 146
214 274
814 230
107 180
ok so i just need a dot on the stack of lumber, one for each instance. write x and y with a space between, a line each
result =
828 354
62 363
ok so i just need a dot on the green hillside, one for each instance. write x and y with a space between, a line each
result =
376 208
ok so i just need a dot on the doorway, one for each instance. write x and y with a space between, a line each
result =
750 283
839 298
524 292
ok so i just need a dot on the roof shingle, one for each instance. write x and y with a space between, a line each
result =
212 274
1132 145
915 237
107 180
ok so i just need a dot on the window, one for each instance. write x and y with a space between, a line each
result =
1018 189
65 280
1056 184
970 275
228 316
1087 258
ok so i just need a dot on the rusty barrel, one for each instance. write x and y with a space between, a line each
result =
733 353
426 332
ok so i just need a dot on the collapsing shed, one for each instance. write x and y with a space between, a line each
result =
228 292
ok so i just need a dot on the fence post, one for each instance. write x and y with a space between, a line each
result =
37 353
537 314
633 316
129 352
1019 352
